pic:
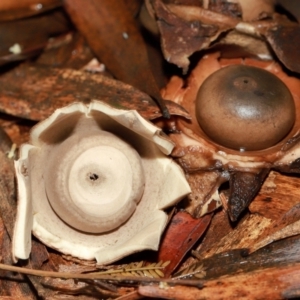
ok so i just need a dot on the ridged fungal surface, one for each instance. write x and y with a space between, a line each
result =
93 183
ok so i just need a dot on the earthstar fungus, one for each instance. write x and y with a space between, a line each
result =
93 182
243 124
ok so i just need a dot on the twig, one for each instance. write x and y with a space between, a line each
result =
119 279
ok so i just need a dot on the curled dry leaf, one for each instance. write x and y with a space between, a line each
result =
181 37
235 156
93 183
279 37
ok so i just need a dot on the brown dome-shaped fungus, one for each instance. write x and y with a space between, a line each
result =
208 163
245 108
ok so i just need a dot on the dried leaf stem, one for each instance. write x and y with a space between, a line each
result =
153 270
190 13
94 276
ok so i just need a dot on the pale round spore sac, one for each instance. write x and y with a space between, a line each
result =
94 182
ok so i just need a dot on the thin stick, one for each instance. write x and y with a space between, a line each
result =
124 279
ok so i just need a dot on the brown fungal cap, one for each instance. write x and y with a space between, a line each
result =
245 108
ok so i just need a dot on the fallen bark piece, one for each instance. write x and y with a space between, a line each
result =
279 254
243 236
272 283
278 194
288 225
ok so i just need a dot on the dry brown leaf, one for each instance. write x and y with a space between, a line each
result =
68 51
14 9
280 37
291 6
118 44
34 92
175 246
19 44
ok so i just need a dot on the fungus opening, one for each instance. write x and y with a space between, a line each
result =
244 107
93 176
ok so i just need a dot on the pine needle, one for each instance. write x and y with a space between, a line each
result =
99 276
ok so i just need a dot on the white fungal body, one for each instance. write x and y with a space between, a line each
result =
93 183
